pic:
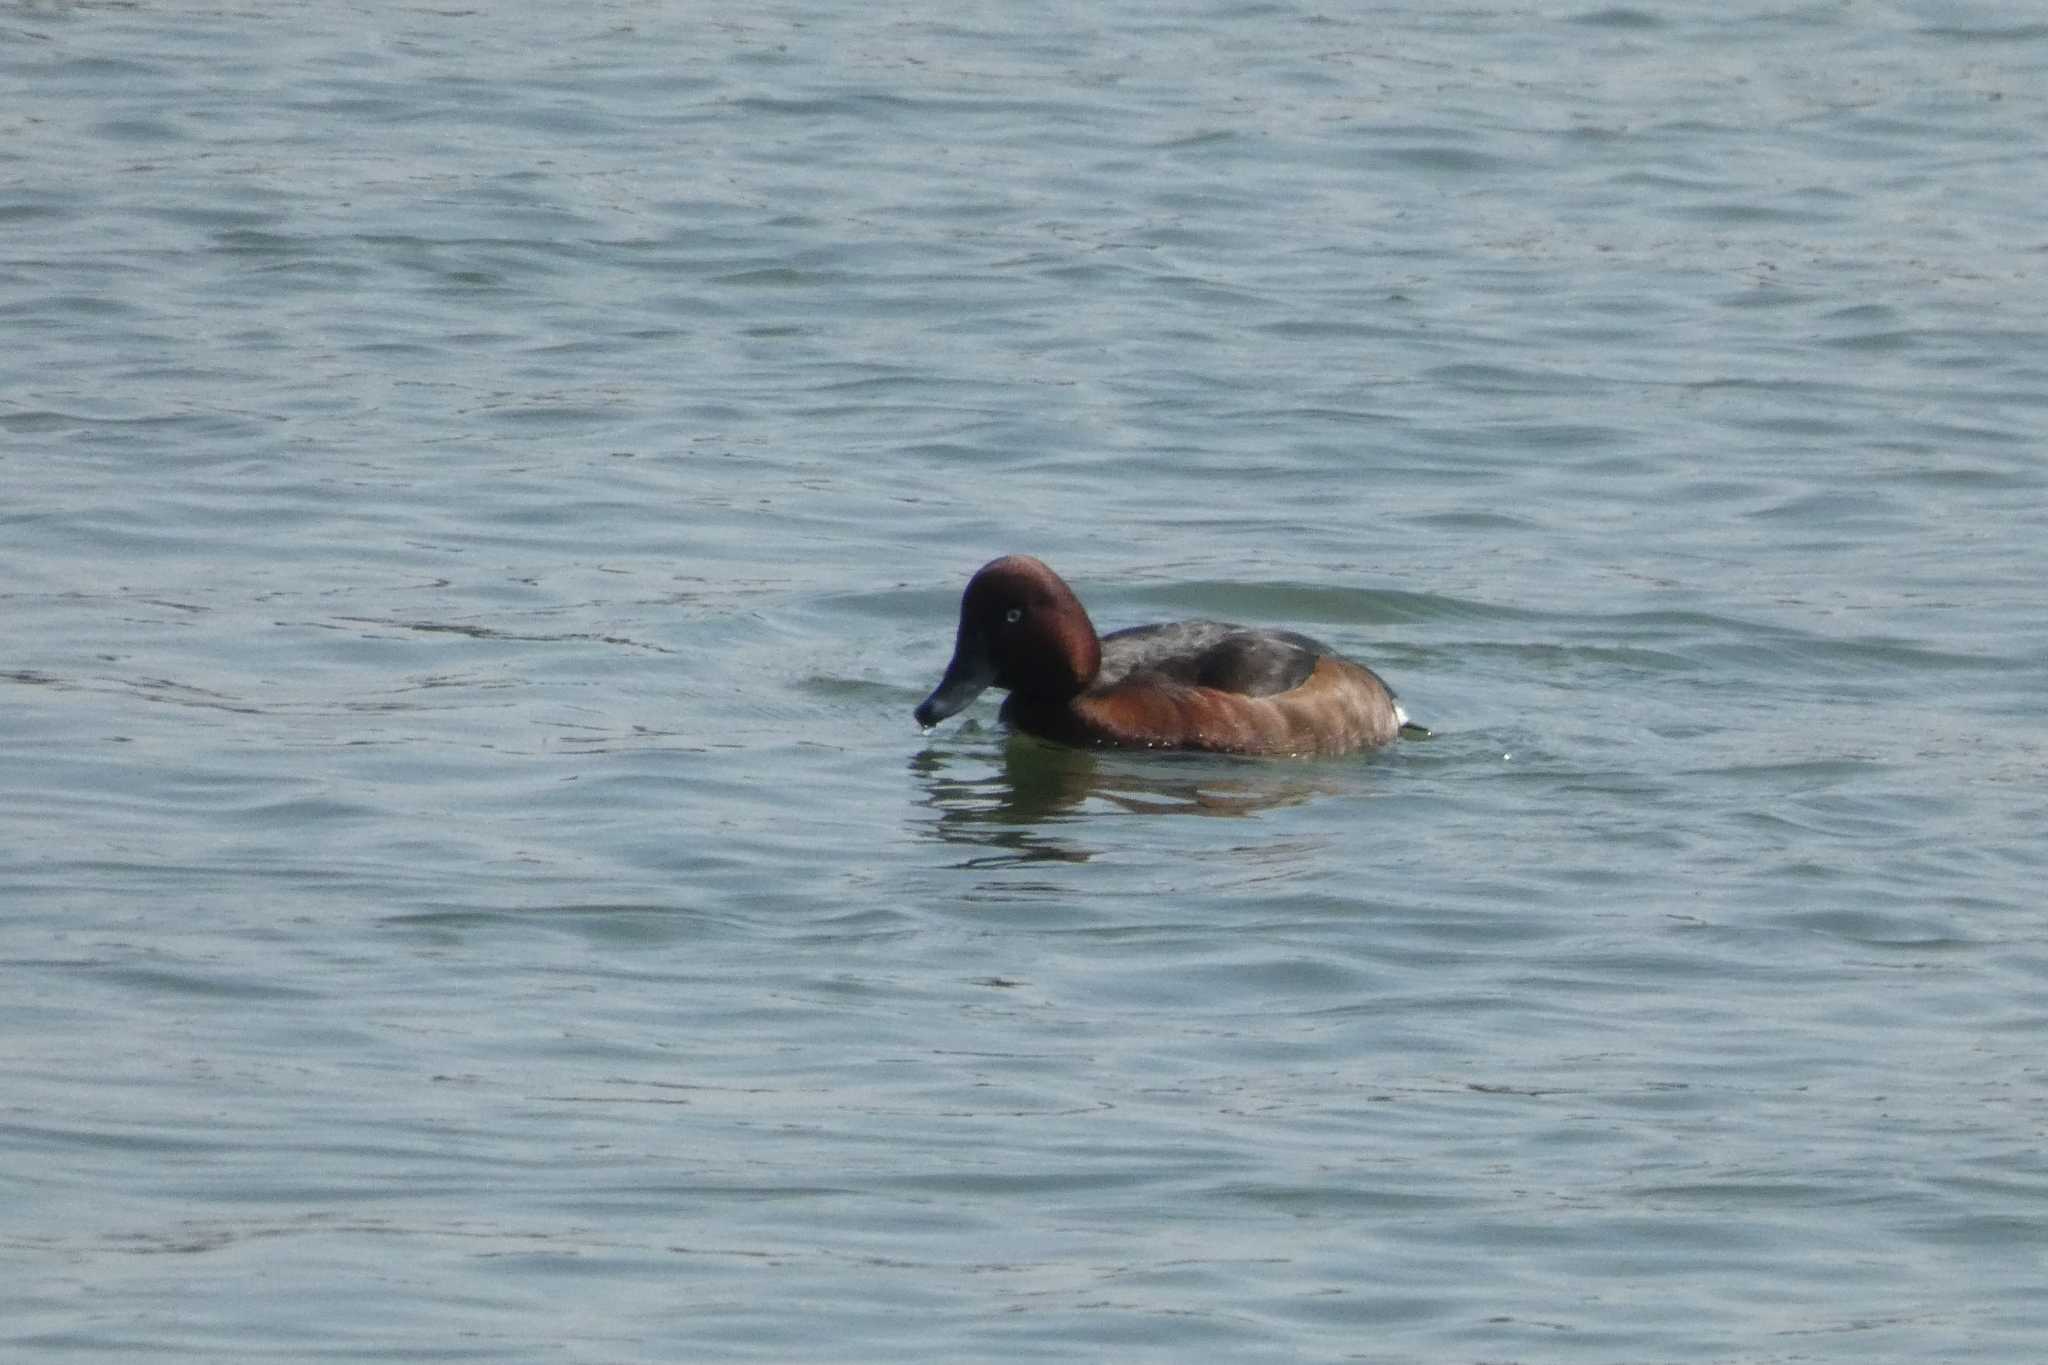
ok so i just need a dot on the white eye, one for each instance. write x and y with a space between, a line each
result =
1014 615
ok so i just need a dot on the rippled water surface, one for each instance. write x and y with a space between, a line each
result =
486 487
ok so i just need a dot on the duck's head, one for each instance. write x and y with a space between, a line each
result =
1021 628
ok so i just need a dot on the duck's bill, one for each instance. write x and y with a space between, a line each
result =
967 677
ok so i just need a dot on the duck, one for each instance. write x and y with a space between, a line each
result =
1206 686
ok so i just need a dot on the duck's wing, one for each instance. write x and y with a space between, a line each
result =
1213 654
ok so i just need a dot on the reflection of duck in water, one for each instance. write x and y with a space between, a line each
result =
1034 783
1190 685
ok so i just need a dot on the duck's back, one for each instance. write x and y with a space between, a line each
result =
1212 654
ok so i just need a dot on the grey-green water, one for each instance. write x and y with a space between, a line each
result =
484 489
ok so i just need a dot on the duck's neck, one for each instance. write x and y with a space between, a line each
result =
1073 665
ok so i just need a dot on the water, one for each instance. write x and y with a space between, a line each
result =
486 488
